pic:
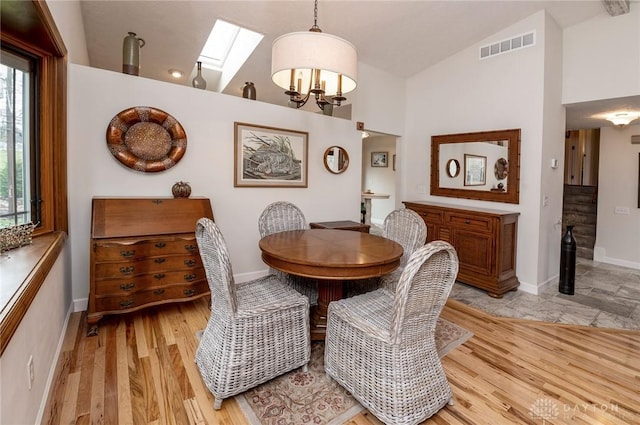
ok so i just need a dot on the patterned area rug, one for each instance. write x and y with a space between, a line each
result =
313 398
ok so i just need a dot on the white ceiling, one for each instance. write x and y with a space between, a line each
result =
400 37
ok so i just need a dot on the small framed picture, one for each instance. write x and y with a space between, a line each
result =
379 159
475 170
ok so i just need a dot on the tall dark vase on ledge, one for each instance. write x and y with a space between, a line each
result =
567 263
249 90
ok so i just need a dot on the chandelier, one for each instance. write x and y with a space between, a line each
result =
314 64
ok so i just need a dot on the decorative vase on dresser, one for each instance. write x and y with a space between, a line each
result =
144 253
485 241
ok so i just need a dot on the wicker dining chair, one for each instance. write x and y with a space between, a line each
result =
405 227
381 346
279 217
257 330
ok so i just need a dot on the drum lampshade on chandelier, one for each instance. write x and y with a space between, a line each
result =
314 63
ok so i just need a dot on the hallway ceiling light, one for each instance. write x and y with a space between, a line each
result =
314 63
622 118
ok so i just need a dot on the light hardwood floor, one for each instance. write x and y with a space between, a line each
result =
140 370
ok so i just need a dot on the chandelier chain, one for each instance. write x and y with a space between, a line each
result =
315 17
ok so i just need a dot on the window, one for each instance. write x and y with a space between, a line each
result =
219 44
18 140
29 33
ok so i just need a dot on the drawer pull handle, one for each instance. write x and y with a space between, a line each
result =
159 260
127 286
190 247
127 270
158 292
127 254
189 277
189 292
161 245
159 276
190 263
467 222
126 303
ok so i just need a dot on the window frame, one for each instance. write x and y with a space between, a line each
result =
34 155
29 26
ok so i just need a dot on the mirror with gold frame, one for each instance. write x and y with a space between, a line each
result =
336 159
500 147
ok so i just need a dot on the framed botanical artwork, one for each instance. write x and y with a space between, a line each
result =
475 170
379 159
269 156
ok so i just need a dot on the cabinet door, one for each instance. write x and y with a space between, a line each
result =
475 251
433 219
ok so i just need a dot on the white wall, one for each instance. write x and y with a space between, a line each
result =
464 94
96 96
551 180
602 58
39 335
68 17
618 235
380 180
379 101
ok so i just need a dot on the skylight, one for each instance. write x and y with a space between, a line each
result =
227 40
219 43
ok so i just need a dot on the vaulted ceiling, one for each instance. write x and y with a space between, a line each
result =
399 37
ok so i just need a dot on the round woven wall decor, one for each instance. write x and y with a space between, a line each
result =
146 139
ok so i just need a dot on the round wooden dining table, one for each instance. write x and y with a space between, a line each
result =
333 258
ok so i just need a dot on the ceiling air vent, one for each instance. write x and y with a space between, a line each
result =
508 45
635 139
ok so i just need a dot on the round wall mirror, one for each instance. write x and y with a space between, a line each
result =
336 159
453 168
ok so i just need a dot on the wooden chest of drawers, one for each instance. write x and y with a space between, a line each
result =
485 241
144 253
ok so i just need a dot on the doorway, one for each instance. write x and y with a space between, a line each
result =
580 194
379 165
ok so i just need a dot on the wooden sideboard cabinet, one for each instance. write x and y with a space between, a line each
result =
484 239
144 253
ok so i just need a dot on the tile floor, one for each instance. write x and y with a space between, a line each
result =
606 296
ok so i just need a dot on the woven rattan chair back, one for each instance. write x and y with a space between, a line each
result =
217 265
257 329
280 217
407 228
423 289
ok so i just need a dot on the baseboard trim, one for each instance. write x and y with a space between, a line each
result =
527 287
53 368
599 255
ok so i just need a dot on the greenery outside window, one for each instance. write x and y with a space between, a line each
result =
18 140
